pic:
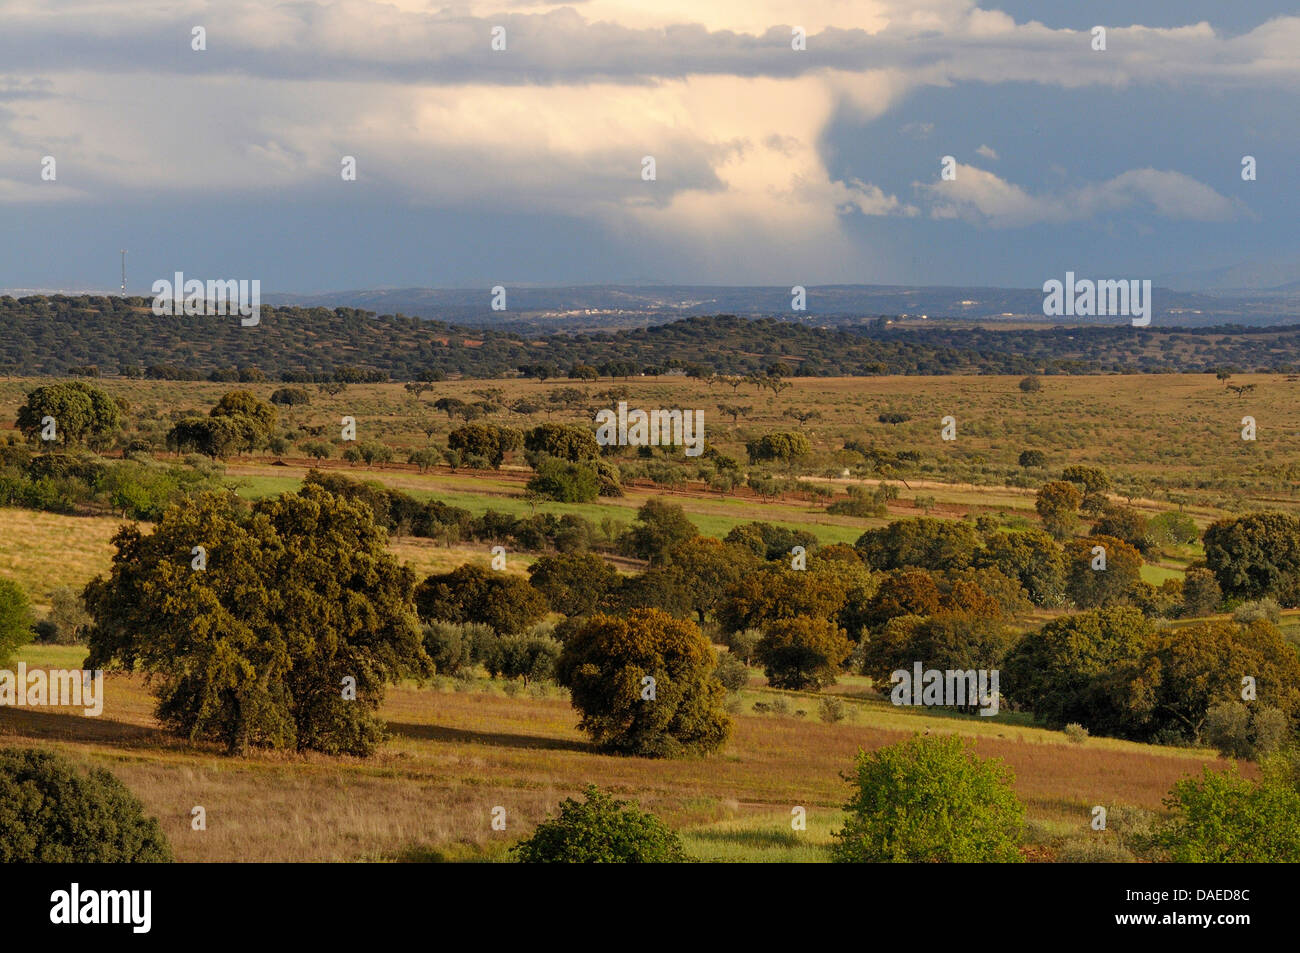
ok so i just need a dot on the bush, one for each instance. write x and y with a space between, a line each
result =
1076 733
1238 732
600 830
1224 818
528 657
565 482
1265 608
1033 458
50 812
68 616
928 799
743 643
449 646
830 710
732 673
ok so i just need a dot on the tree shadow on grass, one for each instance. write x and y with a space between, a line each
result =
45 725
494 738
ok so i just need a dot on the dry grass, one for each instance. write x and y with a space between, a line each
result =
454 755
43 551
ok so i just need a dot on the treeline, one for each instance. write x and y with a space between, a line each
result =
97 335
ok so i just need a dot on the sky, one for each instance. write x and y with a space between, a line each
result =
772 166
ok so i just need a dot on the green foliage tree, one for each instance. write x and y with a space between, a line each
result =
1126 523
1192 668
1201 593
705 567
1094 482
1094 588
1223 818
1060 672
573 583
946 640
922 542
659 527
290 396
1032 558
469 593
644 684
83 413
802 653
485 440
575 444
299 593
15 619
254 420
1058 507
564 482
784 446
1256 555
1033 458
53 813
600 830
757 599
929 799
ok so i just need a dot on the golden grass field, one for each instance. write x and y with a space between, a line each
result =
1174 437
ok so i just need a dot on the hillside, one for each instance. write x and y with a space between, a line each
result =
57 335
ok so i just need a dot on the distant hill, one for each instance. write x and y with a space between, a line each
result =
60 334
588 308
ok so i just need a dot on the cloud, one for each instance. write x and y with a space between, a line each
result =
981 196
557 124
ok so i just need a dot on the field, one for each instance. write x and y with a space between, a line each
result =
460 748
1171 438
458 751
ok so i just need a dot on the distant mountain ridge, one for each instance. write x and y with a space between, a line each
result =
588 308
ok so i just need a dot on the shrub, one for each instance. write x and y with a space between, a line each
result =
449 646
527 657
1076 733
565 482
1224 818
830 709
50 812
1265 608
732 673
743 642
1238 732
600 830
930 799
